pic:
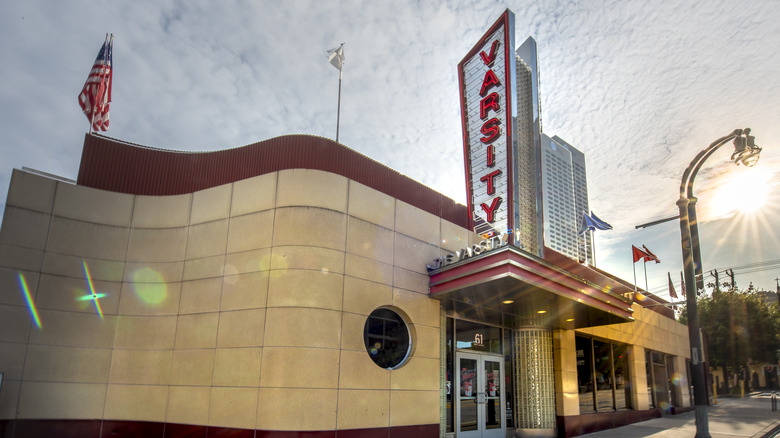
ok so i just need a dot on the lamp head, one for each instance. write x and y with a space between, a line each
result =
745 150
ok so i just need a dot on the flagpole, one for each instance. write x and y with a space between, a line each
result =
635 288
645 264
593 245
338 107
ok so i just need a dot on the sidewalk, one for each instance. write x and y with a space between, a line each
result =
731 417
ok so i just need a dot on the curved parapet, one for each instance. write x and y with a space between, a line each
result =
118 166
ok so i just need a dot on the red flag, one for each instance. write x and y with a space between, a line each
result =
672 292
95 96
639 254
651 255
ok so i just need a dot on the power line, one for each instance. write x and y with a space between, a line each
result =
749 268
768 264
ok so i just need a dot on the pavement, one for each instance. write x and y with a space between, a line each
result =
731 418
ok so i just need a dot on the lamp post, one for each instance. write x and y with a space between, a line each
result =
745 152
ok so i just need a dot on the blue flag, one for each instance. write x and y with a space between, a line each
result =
592 222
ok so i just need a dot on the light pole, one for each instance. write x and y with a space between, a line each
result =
745 152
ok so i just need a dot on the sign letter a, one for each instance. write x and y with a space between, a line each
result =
489 82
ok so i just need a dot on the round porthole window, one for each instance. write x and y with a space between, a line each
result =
387 338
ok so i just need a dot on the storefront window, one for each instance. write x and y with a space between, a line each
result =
603 365
585 374
675 393
602 375
660 375
622 384
649 372
387 339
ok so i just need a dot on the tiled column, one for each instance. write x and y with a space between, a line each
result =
534 380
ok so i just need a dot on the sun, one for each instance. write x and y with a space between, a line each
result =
743 190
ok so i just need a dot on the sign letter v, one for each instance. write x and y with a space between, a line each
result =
488 60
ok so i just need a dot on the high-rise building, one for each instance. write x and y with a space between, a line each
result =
554 170
565 198
528 128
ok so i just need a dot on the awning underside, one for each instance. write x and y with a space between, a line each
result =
513 288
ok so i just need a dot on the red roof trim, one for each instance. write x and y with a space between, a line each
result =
652 302
114 165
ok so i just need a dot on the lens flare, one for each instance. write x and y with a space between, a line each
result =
275 264
92 295
149 285
30 302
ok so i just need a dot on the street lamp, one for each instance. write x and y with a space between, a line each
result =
745 152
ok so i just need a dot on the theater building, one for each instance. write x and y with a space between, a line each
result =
294 287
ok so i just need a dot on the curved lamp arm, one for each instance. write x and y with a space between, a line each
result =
688 201
686 185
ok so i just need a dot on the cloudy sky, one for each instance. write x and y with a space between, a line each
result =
639 87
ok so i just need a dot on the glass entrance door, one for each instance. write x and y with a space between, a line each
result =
480 396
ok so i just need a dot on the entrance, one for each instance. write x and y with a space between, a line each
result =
479 402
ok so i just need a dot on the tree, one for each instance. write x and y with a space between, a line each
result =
740 326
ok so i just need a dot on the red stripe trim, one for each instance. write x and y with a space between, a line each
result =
149 429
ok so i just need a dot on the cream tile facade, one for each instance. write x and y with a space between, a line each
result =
255 287
308 409
238 306
57 400
86 204
31 191
363 408
193 367
188 404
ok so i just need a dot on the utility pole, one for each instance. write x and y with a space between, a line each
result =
730 273
714 273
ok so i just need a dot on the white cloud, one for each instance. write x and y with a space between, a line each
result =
639 88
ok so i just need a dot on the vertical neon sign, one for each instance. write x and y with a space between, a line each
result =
487 108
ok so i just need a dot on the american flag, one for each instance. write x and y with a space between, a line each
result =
96 94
